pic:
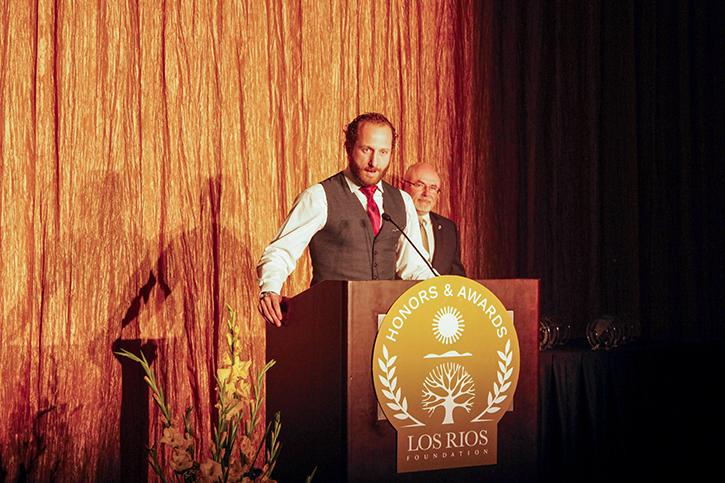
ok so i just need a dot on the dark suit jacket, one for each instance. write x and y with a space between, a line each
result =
447 251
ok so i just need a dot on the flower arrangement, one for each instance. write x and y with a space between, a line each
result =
234 454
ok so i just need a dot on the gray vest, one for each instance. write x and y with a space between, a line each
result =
346 248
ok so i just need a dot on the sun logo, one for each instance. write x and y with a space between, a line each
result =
448 325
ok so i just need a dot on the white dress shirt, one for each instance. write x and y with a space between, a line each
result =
309 215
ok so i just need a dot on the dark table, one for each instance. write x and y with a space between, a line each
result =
640 412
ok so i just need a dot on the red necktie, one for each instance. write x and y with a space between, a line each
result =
373 210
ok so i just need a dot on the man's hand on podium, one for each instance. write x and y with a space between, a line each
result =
270 306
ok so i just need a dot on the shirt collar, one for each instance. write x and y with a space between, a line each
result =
425 218
354 186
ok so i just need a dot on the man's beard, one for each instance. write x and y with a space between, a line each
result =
358 173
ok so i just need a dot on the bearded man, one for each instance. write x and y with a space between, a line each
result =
340 219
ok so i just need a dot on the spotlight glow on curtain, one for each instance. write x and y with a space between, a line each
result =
149 152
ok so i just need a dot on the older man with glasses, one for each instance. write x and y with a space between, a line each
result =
440 235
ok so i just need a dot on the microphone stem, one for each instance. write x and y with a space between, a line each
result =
387 217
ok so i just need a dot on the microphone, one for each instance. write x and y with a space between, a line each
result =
387 217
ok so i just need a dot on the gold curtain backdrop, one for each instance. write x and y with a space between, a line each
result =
150 150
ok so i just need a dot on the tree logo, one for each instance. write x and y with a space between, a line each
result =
449 386
445 368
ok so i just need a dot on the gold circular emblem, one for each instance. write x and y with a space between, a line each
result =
445 366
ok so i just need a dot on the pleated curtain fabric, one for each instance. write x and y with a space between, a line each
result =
148 153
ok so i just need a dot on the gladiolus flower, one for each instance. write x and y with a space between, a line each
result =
247 447
181 460
234 409
210 471
175 439
223 374
236 471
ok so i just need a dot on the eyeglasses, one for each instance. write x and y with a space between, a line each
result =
421 186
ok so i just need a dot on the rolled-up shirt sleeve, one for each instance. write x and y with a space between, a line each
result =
307 216
409 264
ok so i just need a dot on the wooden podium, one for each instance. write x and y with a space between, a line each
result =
322 383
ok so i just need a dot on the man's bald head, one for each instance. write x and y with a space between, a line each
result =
422 183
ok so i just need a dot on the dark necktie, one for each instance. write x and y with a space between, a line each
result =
373 210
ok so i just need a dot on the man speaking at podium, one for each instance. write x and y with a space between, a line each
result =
340 219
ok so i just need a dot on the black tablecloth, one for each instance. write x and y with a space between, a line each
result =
640 411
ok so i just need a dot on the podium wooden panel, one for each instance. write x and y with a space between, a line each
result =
323 386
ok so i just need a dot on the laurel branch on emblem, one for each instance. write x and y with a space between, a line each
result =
390 381
499 390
